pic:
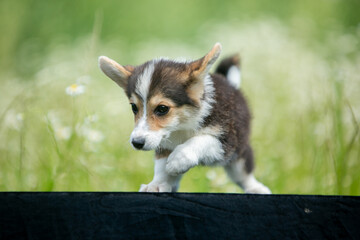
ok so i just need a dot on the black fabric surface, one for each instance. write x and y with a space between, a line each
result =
177 216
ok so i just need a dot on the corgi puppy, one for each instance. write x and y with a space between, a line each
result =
189 117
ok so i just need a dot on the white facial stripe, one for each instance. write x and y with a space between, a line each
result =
141 130
142 126
144 80
142 88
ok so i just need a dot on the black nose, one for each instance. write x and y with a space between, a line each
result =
138 143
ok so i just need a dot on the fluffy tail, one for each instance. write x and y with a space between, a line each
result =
230 68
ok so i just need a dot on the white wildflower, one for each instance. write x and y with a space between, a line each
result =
14 119
75 89
94 135
220 180
62 133
91 119
211 174
85 130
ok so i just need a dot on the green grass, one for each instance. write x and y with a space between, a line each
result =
303 92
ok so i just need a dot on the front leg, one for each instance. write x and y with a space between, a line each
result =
162 181
204 149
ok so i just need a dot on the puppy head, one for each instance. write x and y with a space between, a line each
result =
164 95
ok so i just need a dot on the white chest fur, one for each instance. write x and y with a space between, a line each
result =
176 138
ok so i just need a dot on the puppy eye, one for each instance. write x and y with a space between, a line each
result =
161 110
134 108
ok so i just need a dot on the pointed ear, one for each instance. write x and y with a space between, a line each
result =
115 71
202 66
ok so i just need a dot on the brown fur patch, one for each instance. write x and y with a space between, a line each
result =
159 99
162 153
158 122
196 92
214 130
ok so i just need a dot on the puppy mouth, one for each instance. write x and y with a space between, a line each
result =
146 149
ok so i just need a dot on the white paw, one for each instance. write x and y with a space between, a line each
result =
258 188
155 187
180 161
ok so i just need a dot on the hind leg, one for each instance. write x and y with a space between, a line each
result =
240 172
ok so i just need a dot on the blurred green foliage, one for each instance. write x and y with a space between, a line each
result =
32 27
301 75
